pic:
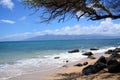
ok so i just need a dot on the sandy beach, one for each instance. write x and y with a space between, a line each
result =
49 75
75 72
71 69
71 72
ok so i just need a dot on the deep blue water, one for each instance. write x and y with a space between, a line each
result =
24 49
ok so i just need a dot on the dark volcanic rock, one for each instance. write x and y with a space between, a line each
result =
85 63
117 49
56 57
79 65
112 63
91 57
92 69
88 53
113 57
67 61
94 49
88 70
110 52
113 66
98 66
102 59
73 51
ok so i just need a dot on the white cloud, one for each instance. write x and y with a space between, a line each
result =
23 18
7 3
106 27
7 21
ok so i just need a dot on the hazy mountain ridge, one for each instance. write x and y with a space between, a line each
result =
71 37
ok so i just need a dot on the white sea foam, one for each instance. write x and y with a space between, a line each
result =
41 63
103 50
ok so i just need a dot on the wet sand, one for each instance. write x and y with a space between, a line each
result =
68 72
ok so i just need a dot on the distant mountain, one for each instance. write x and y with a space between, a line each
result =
70 37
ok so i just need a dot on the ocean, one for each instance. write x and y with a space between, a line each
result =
24 57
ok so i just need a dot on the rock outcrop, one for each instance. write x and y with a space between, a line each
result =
87 53
113 66
110 52
85 63
91 57
94 49
112 63
98 66
79 65
116 50
56 57
73 51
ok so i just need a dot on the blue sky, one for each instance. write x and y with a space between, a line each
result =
17 23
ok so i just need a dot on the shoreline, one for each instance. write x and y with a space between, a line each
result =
47 74
73 69
68 68
42 75
75 72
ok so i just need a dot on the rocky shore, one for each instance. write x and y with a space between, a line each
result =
106 67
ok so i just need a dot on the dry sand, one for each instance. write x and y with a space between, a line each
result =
74 73
69 71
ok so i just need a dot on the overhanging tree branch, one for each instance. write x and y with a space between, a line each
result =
92 9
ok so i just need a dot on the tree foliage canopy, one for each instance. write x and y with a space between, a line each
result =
92 9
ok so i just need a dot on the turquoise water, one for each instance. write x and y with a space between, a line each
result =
23 49
28 56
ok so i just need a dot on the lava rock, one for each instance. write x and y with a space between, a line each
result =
98 66
67 61
56 57
117 50
91 57
92 69
113 66
73 51
87 53
85 63
88 70
113 57
94 49
102 59
79 65
112 63
110 52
